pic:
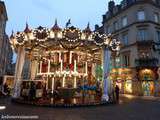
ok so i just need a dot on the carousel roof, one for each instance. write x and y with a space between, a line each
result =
68 38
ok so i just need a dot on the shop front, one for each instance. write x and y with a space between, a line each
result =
148 79
128 86
123 78
148 88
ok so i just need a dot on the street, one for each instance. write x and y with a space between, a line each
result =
129 108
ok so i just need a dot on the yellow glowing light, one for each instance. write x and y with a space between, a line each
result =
147 71
52 34
59 35
128 86
2 107
129 96
120 71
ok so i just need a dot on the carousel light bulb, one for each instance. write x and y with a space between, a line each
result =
52 34
25 37
90 37
59 35
11 41
106 42
118 48
83 36
31 36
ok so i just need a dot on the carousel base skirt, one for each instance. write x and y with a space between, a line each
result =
71 103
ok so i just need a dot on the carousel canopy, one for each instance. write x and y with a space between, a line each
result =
68 38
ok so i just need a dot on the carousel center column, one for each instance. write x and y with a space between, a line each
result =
61 72
53 84
106 61
34 65
18 72
40 68
75 70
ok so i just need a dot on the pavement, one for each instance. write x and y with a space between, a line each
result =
141 97
129 108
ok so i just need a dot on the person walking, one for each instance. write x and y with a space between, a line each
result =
117 92
6 89
2 92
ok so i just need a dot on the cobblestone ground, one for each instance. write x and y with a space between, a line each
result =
129 108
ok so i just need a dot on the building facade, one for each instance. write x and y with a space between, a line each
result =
136 23
5 49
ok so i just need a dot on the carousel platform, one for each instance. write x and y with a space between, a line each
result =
73 103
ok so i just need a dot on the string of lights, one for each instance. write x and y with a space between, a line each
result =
70 38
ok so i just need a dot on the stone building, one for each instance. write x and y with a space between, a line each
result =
136 23
5 49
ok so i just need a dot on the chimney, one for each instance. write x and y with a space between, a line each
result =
96 27
111 5
104 17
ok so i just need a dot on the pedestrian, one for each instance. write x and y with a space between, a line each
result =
2 92
117 92
6 89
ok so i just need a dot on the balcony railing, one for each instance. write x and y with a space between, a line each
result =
156 46
144 42
146 62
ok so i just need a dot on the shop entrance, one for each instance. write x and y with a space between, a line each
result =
148 88
147 77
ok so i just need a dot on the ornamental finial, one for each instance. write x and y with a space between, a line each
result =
27 30
87 29
88 25
56 22
56 27
12 35
68 23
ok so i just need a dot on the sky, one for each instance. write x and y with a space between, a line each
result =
44 13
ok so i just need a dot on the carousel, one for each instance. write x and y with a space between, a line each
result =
68 63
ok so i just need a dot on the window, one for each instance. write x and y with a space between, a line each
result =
158 36
109 29
117 62
125 39
126 60
156 17
124 21
141 15
142 34
115 24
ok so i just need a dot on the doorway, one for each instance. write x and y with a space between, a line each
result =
148 88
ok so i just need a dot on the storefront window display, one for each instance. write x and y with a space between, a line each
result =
147 77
